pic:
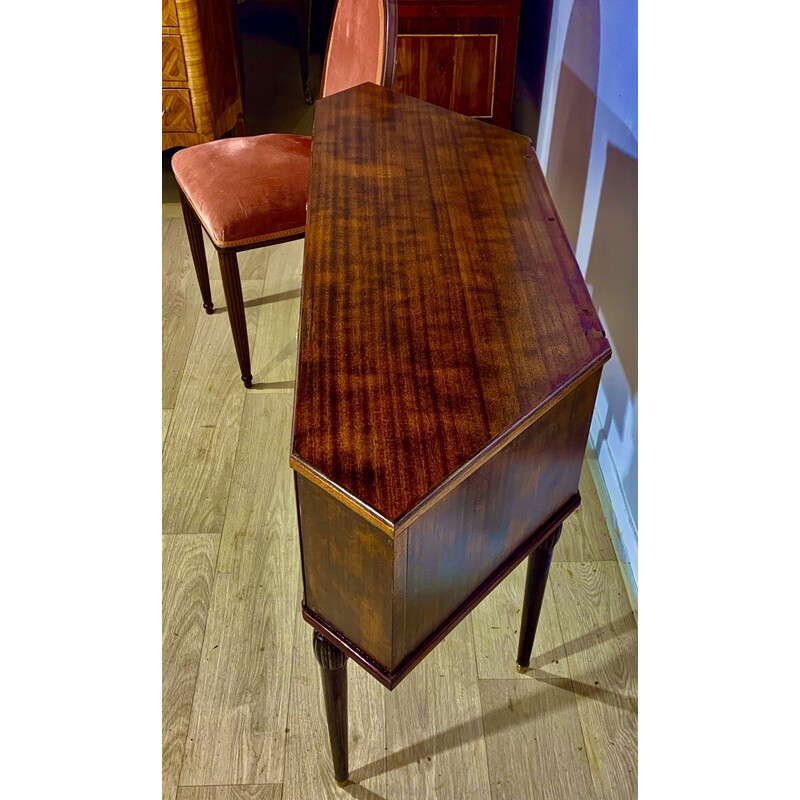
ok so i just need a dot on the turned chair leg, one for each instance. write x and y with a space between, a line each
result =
535 583
333 666
232 284
195 233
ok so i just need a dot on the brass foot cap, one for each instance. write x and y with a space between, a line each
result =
342 783
521 669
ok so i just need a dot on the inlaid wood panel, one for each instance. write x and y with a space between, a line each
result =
267 791
173 65
187 568
176 110
238 727
455 71
169 14
600 639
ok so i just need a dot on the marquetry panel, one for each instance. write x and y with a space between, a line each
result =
173 64
169 14
176 110
455 71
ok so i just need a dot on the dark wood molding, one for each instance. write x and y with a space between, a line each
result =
391 679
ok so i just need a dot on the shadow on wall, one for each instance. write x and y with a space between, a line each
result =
612 275
534 30
614 264
574 116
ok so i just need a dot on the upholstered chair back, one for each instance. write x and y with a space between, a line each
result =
362 46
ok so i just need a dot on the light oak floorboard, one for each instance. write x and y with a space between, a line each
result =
181 307
166 416
600 639
309 768
275 353
238 724
584 536
534 741
187 578
205 426
495 625
434 729
271 791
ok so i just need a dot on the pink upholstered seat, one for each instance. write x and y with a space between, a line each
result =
252 190
248 189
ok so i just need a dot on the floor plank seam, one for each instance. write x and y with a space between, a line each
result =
199 661
573 694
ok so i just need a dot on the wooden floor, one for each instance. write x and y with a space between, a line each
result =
242 703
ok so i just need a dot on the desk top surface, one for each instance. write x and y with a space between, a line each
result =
442 308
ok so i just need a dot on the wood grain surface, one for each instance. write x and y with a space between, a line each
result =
442 306
434 731
187 567
267 791
237 730
600 640
197 471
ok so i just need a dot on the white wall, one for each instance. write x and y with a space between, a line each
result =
588 146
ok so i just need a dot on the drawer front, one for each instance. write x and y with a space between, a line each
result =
176 110
455 71
173 64
169 14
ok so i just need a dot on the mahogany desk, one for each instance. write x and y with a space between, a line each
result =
449 359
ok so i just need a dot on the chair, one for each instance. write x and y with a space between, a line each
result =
251 191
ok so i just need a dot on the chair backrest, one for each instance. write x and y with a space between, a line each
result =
362 45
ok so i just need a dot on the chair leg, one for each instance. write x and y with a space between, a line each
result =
195 233
304 37
232 284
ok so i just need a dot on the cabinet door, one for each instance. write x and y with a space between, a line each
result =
452 70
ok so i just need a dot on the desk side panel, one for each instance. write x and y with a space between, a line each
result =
348 571
471 531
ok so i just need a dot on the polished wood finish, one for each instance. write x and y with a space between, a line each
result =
449 361
194 232
333 668
232 286
443 310
459 54
535 583
202 96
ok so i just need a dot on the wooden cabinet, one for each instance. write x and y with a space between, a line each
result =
201 95
459 54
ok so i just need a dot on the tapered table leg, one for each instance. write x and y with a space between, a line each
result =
333 666
535 583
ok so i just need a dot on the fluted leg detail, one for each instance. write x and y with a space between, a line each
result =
232 284
194 232
333 666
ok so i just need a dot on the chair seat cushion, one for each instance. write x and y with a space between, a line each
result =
247 189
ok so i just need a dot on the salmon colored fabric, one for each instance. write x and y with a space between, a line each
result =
356 47
247 189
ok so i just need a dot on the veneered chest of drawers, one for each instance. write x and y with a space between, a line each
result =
459 54
200 94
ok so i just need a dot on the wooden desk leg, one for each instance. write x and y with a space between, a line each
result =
333 666
535 583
